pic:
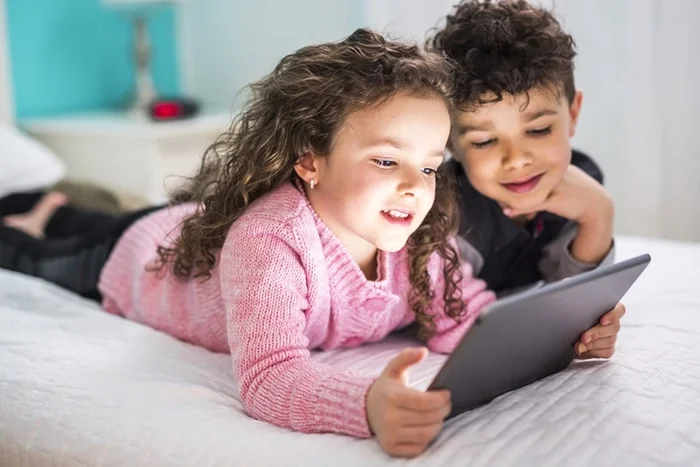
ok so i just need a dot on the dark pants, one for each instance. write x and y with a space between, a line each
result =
75 248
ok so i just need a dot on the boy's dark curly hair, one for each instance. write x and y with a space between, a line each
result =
505 47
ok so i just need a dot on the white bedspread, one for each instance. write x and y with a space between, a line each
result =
80 387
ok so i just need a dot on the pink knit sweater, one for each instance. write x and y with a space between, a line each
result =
283 285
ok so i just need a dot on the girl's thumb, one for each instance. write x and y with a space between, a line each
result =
397 367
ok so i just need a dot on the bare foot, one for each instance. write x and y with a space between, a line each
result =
34 222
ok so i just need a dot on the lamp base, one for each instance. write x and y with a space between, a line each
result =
145 93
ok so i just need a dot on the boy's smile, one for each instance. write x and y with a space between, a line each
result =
523 185
516 150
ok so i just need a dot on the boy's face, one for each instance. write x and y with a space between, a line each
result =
516 151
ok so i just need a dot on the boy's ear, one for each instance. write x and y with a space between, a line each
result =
574 112
307 167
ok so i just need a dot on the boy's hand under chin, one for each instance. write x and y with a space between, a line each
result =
581 199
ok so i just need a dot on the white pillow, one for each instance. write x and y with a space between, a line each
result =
25 164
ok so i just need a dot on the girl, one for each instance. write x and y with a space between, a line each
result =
321 220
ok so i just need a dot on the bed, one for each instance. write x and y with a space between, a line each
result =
79 387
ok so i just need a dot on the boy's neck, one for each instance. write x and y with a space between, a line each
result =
522 221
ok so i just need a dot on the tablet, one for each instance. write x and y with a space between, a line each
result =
527 336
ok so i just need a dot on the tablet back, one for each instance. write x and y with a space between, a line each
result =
530 335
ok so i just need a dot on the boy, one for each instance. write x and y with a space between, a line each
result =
531 208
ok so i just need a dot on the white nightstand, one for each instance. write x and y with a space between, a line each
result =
130 155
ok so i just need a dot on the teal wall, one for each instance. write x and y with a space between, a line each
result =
75 55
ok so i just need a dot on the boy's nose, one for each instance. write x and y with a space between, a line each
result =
513 160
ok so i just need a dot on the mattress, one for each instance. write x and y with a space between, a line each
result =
79 387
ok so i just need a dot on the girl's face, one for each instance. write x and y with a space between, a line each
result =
378 183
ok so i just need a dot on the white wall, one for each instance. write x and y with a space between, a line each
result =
226 44
407 19
638 68
613 69
6 107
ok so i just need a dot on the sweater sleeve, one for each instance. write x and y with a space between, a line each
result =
557 262
264 287
476 297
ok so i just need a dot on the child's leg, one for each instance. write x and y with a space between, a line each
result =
74 262
34 220
69 221
19 203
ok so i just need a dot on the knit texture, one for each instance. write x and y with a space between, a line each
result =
283 285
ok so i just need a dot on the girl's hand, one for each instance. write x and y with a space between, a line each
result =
405 420
599 341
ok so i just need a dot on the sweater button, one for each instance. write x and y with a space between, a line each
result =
375 305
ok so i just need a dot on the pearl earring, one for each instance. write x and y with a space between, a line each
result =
312 183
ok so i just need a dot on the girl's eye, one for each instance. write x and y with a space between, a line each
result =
483 144
541 131
430 172
384 163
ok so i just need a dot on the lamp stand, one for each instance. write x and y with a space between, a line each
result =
145 92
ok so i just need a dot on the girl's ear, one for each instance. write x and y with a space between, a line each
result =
308 168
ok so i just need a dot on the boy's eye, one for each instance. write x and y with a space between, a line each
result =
541 131
383 163
483 144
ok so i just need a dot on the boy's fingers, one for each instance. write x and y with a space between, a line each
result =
518 212
599 332
598 344
615 314
604 343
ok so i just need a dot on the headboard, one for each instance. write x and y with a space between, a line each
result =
6 101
